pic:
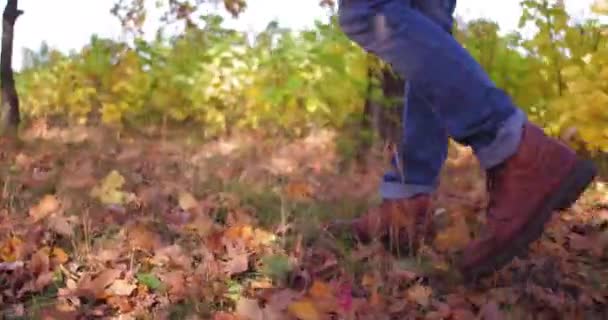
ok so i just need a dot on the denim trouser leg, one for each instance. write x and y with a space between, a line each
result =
421 154
445 77
424 142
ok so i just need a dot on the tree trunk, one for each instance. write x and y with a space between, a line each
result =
10 101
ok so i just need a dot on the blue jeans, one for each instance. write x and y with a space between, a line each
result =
448 94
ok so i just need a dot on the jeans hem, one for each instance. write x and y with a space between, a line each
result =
505 144
395 190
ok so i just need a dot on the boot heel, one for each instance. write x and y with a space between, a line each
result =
581 177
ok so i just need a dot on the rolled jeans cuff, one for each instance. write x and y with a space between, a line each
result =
506 143
396 190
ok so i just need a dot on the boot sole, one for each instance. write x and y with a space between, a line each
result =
566 195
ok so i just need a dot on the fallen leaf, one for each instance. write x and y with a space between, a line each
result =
420 294
187 201
491 311
108 192
299 191
47 205
18 310
40 262
281 300
176 283
140 237
121 288
59 256
61 225
320 290
462 314
149 280
96 288
121 303
249 309
454 237
44 280
171 256
226 316
238 259
304 310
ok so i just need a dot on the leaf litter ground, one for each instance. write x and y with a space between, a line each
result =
134 227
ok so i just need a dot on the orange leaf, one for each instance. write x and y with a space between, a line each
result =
454 237
59 256
304 310
320 291
299 191
48 205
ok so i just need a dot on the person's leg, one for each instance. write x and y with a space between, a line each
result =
423 148
418 160
474 111
530 174
421 154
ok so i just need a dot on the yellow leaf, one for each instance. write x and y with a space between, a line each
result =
11 249
109 191
304 310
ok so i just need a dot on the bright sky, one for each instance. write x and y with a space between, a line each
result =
68 24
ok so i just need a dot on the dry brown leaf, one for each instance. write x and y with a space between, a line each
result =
61 225
96 288
44 280
238 258
299 191
491 311
420 294
187 201
201 225
79 175
176 282
47 205
121 288
226 316
237 263
40 262
140 237
249 309
462 314
121 303
281 300
171 256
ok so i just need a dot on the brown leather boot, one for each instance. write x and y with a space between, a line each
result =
402 222
543 176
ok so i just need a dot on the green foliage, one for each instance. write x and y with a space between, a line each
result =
213 76
287 82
